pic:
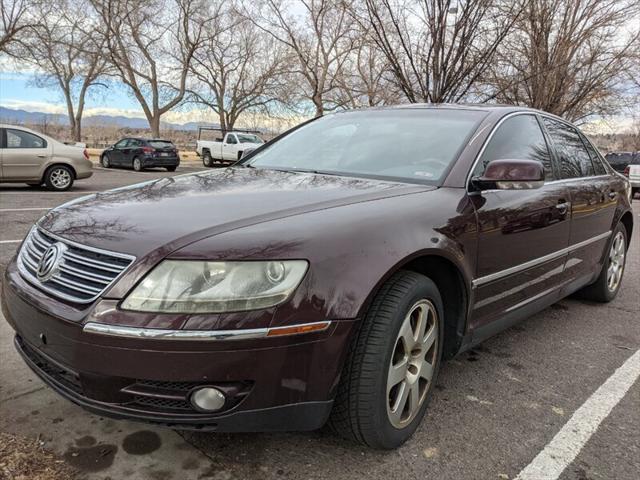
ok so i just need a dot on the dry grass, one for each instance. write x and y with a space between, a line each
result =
26 459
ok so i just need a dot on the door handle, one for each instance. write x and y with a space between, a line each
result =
41 156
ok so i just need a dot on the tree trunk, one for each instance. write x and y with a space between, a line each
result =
154 124
317 101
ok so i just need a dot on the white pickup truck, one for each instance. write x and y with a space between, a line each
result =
228 149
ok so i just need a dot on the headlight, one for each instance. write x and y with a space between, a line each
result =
178 286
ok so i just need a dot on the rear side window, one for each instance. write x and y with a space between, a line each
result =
134 143
20 139
517 138
595 159
573 156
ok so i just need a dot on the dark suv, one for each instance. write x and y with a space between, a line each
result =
141 153
619 161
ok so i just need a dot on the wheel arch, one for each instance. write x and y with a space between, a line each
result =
453 285
627 221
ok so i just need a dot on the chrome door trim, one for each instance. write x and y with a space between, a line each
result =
166 334
537 261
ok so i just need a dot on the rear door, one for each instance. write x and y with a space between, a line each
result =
131 149
593 198
522 234
23 155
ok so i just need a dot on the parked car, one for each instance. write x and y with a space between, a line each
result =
227 149
36 159
141 153
342 263
632 172
620 160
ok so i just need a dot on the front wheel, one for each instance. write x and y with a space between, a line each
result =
59 178
392 365
606 287
105 161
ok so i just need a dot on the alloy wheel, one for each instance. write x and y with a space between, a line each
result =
412 364
105 161
616 262
60 178
137 164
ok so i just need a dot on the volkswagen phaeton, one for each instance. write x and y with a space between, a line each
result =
325 277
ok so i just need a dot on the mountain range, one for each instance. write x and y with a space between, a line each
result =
12 116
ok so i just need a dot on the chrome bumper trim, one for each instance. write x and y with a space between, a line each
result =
164 334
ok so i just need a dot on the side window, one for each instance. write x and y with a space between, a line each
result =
517 138
598 167
231 139
133 143
121 143
20 139
573 156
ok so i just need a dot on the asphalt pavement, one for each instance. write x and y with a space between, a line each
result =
495 409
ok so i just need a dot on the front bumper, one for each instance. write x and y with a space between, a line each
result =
271 383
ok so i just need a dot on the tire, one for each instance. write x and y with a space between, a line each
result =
207 161
105 162
138 166
603 290
362 410
59 178
171 169
634 192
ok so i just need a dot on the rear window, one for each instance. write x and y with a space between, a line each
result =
161 144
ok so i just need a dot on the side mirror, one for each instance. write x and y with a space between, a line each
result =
511 175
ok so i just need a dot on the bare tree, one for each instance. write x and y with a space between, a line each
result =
238 69
69 56
15 21
151 44
364 79
319 38
438 50
567 57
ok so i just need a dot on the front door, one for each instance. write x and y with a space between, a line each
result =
522 234
23 155
593 200
229 147
115 155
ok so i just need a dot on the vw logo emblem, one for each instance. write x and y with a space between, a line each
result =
50 261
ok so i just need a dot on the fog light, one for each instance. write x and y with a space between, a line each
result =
208 399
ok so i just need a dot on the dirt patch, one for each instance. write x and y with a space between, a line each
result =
26 459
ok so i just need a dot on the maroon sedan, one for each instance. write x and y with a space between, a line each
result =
322 279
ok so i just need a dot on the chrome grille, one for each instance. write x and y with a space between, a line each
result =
82 274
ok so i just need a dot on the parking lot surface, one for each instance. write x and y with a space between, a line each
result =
495 408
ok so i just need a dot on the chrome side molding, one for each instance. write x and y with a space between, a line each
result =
537 261
208 335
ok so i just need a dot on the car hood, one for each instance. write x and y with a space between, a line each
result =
172 212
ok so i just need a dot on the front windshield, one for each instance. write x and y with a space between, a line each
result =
408 144
245 138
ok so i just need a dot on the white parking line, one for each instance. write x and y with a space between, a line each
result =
10 241
566 445
24 209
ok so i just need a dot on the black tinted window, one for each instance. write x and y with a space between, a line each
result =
517 138
20 139
573 156
134 143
